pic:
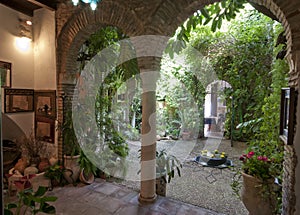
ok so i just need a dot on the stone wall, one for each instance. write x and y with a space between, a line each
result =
289 198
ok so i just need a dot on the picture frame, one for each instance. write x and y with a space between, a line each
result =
45 103
45 129
5 72
287 115
18 100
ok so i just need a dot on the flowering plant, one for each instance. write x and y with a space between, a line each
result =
257 165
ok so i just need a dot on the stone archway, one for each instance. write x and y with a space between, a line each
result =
161 17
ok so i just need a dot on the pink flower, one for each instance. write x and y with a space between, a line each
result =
242 158
250 154
265 158
260 158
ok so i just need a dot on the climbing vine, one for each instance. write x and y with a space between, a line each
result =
109 37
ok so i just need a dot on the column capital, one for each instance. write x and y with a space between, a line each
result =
149 72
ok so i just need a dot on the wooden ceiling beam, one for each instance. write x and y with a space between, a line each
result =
17 7
44 4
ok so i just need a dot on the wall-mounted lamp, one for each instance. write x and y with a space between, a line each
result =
93 3
25 34
25 28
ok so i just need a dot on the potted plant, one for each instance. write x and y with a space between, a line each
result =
88 169
55 173
166 165
30 201
71 149
259 191
31 148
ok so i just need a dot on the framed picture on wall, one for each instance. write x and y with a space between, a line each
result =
45 129
45 103
287 114
5 72
18 100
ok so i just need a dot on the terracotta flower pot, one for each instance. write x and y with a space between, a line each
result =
72 168
256 195
161 185
86 178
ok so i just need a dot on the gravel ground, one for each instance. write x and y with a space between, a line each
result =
209 187
203 186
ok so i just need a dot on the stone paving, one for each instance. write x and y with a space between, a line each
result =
105 198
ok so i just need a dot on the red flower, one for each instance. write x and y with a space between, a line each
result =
250 154
260 158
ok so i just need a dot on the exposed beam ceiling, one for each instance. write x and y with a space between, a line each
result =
28 6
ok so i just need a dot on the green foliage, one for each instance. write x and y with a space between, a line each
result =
266 141
166 165
55 172
35 201
258 165
179 88
109 37
243 58
214 14
86 164
71 145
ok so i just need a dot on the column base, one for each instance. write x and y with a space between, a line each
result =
143 200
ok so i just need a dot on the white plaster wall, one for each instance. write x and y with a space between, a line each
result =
44 50
45 59
22 62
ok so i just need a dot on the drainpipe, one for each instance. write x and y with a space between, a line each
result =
63 97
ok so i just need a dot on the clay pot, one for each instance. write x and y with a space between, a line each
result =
53 161
72 168
161 185
31 170
43 165
21 165
86 178
256 195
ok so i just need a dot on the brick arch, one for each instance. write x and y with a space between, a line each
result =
83 23
78 25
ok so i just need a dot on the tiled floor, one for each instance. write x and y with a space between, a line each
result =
104 198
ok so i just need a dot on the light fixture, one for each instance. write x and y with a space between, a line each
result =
25 29
93 3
